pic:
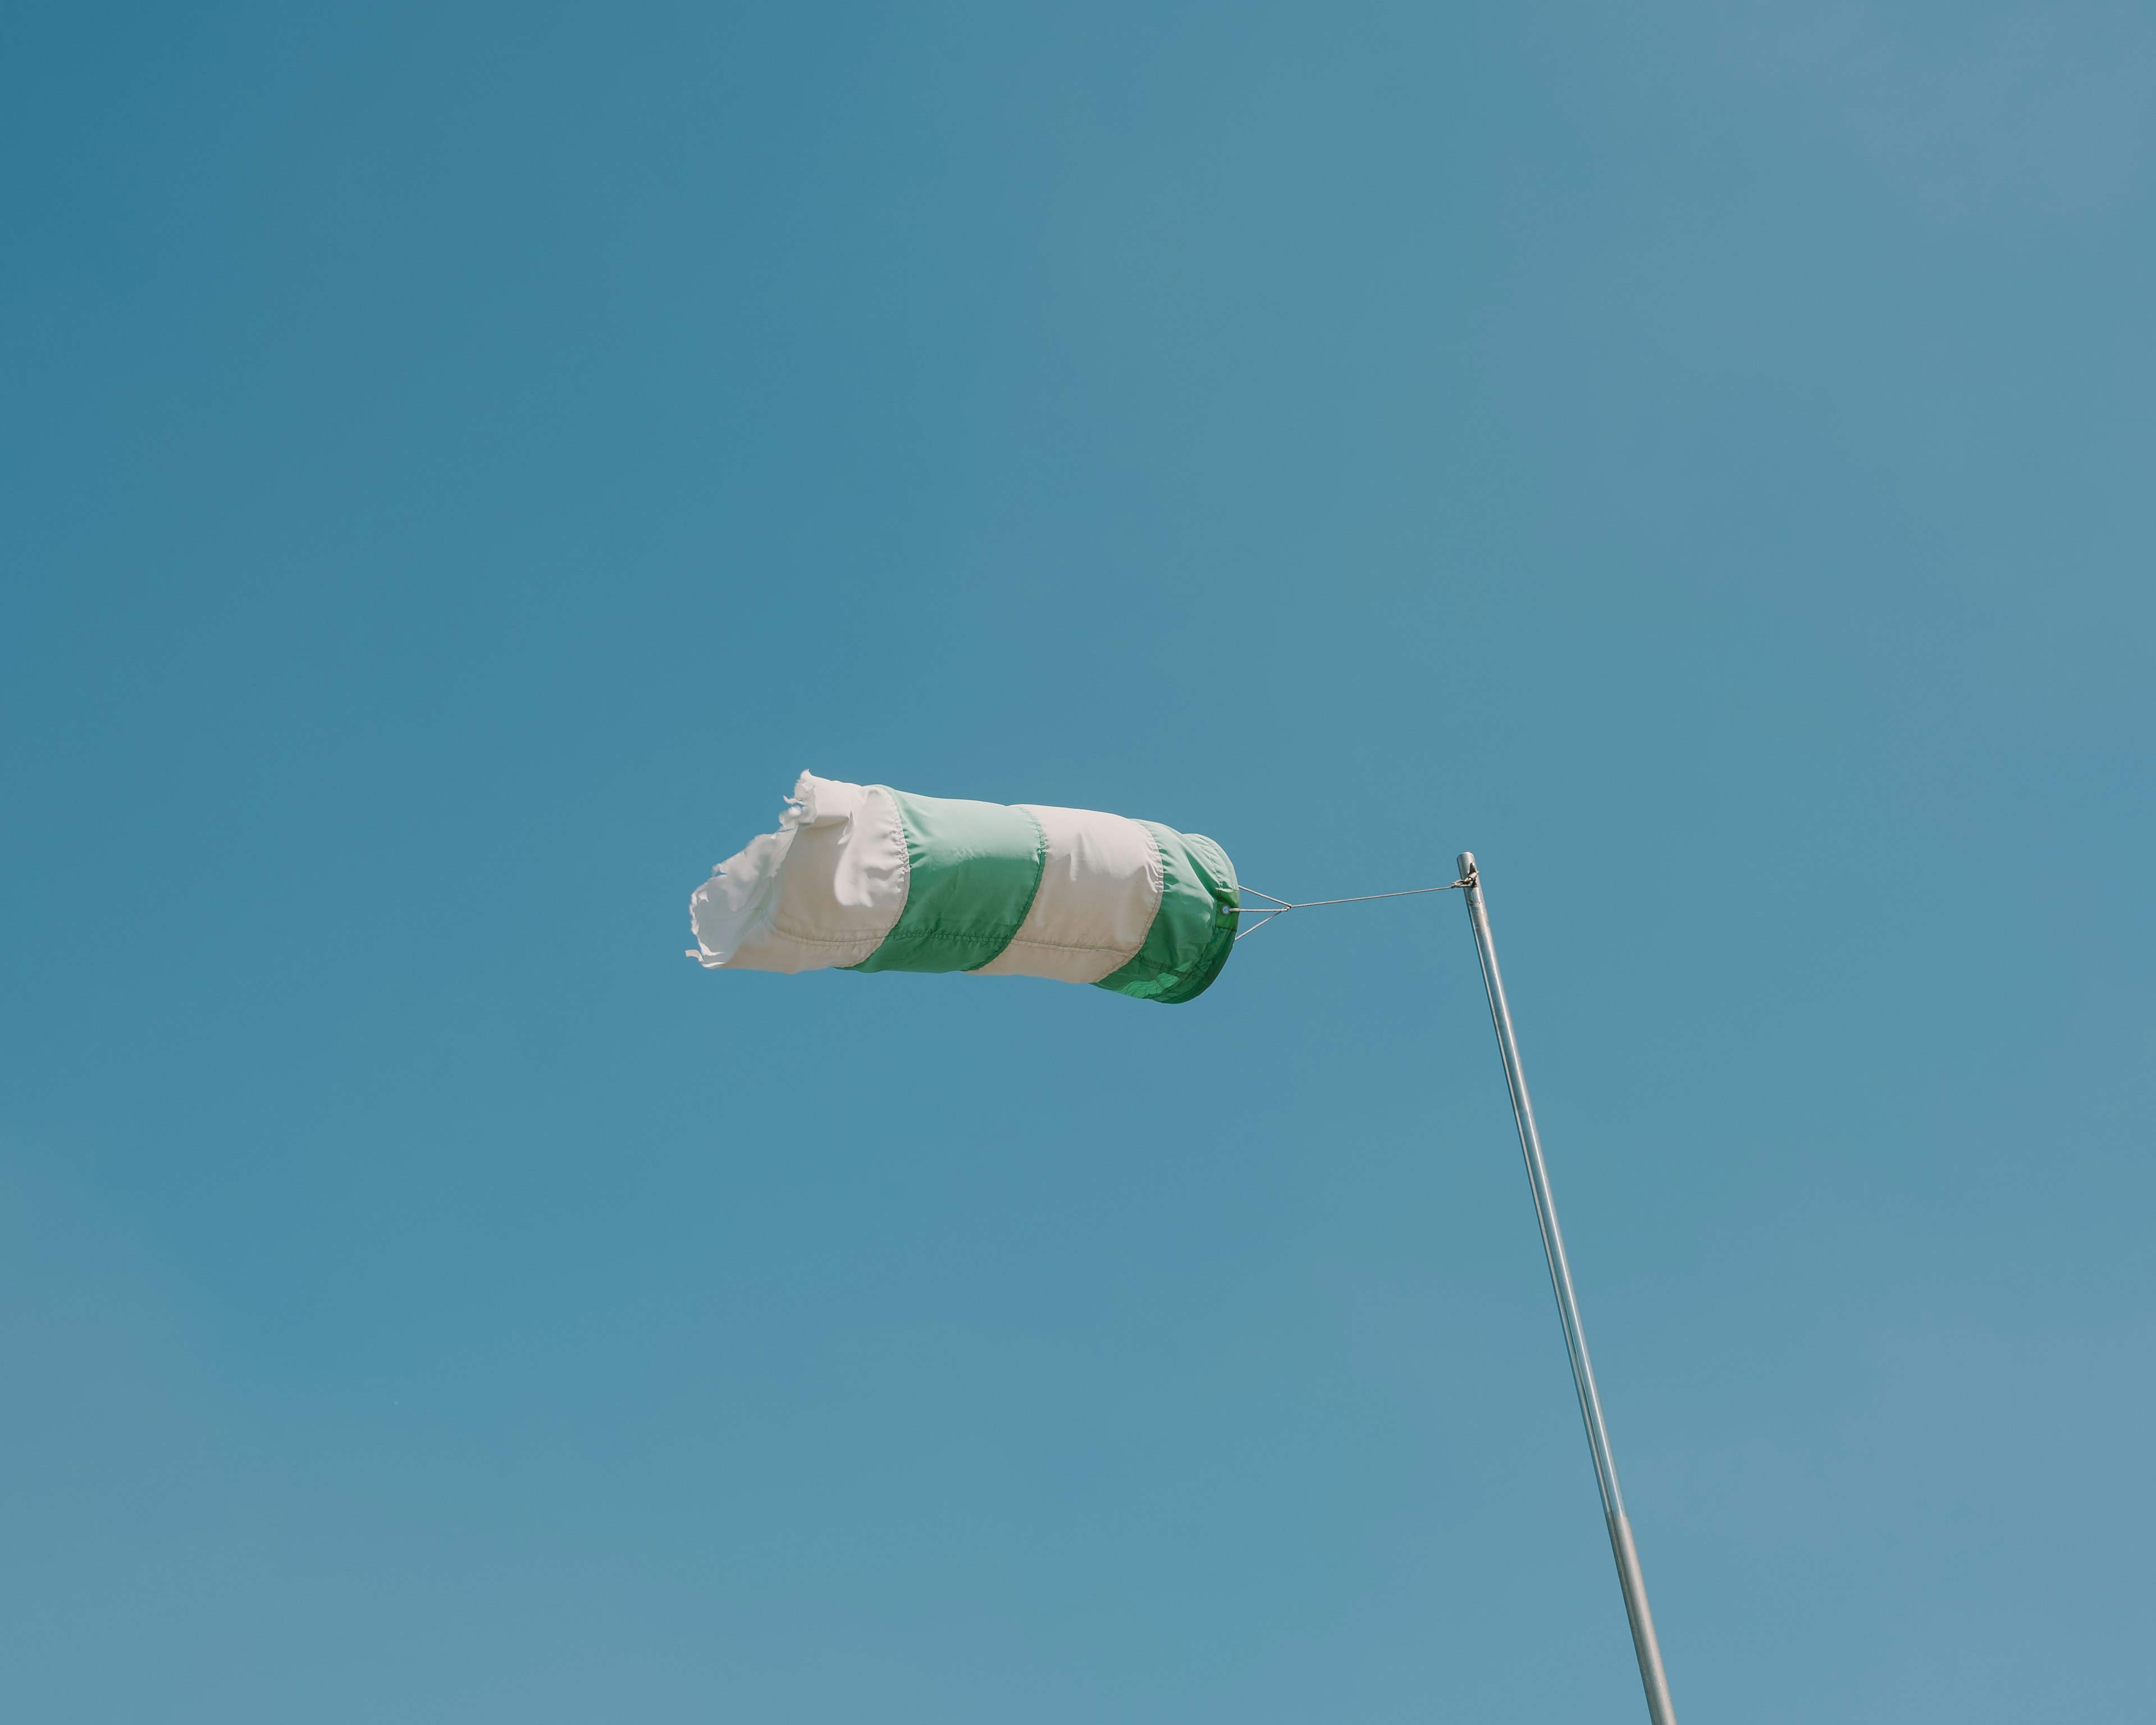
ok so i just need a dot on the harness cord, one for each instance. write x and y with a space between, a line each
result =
1281 907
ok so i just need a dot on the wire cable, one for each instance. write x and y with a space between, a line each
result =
1281 907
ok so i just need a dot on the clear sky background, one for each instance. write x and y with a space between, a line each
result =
461 461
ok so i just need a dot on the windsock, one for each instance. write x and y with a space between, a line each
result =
863 877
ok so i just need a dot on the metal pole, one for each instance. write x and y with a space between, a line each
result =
1660 1710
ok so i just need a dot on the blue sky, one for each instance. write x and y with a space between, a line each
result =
462 461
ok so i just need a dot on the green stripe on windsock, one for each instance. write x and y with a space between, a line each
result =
973 870
1194 929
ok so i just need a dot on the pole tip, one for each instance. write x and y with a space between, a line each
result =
1465 864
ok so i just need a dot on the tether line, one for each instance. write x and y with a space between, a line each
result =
1281 907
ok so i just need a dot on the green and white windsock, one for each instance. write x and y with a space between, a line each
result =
863 877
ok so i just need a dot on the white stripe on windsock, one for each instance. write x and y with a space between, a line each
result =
822 890
1100 890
